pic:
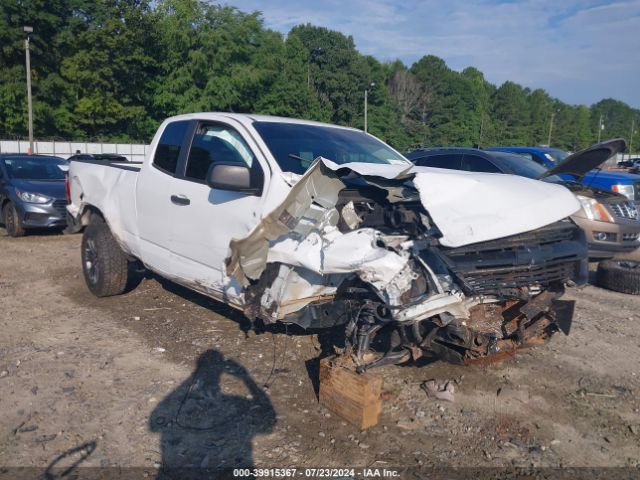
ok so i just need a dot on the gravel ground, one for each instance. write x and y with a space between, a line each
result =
161 376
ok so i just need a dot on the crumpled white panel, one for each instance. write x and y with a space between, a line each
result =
475 207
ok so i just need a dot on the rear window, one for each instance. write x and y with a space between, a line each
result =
168 150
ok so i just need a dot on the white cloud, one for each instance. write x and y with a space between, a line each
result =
579 50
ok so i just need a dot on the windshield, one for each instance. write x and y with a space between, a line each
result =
556 155
36 168
296 146
523 166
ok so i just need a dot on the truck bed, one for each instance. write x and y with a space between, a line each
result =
110 187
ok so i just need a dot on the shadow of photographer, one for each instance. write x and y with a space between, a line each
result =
202 427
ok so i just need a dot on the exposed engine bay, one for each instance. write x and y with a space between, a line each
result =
365 252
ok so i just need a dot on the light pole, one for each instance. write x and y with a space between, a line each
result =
550 129
29 30
600 128
633 131
366 95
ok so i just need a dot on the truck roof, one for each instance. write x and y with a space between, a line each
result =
248 118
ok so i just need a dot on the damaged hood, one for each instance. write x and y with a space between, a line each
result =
582 162
475 207
466 207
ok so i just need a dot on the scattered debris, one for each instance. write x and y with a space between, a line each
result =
439 390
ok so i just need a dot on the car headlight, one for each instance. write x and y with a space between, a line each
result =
594 209
626 190
32 197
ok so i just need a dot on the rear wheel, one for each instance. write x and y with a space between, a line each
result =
12 221
104 264
619 275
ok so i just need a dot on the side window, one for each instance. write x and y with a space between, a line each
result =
450 161
220 143
475 163
168 150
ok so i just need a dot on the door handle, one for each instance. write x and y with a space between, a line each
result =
180 200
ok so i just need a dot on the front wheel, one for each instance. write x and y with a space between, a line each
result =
104 264
12 221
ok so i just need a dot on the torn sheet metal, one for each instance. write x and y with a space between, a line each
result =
308 206
466 207
332 252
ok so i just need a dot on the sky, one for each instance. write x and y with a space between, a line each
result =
580 51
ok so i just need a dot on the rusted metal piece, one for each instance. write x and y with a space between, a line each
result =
495 332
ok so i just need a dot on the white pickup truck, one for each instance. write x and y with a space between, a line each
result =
321 226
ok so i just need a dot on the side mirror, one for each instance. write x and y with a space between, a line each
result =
231 176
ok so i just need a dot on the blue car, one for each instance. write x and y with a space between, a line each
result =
32 192
624 183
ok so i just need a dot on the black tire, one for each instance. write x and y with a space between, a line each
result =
12 221
619 275
104 264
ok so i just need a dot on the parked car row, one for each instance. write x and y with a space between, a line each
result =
588 169
32 192
632 165
609 219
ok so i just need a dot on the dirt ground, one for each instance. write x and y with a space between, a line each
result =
163 377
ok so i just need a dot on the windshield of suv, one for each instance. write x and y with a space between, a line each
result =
523 166
295 146
36 168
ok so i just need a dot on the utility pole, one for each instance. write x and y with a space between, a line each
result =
633 128
600 128
365 109
550 129
366 96
29 30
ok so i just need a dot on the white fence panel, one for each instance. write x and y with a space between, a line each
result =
109 148
134 152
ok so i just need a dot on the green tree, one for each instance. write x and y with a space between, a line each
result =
511 112
337 72
108 71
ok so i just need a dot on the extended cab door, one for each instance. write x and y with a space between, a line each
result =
153 199
204 220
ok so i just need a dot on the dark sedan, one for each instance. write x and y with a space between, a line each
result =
32 192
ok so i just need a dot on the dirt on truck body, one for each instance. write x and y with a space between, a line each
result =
347 248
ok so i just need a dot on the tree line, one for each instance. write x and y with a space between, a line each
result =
114 69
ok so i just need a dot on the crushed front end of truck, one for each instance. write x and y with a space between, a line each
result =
410 261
